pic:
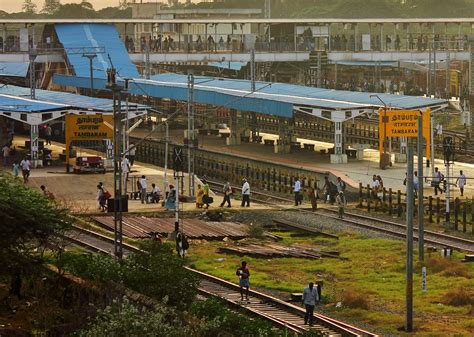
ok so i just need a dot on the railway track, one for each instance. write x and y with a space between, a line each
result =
378 225
280 313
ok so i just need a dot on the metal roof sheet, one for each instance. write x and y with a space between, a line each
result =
14 69
11 103
276 99
74 36
47 100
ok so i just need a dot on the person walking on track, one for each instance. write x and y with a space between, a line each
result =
310 298
341 204
245 193
461 182
227 190
297 191
243 273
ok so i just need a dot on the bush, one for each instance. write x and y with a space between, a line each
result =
123 318
459 297
448 267
355 299
157 272
255 231
217 320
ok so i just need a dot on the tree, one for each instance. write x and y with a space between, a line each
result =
50 7
29 223
86 4
29 7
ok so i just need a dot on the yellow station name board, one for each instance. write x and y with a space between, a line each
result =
404 123
88 127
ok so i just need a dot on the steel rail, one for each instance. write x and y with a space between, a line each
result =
266 306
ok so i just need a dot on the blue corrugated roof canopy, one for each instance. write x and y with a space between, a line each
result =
279 99
14 69
63 99
76 36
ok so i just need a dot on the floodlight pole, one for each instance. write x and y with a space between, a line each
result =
117 102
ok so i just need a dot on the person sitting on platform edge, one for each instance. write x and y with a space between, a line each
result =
155 194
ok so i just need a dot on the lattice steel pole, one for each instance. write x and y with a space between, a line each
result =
117 92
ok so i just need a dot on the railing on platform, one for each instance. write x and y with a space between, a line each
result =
262 175
394 203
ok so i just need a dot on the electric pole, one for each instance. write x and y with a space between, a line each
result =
117 102
190 135
421 227
409 242
91 58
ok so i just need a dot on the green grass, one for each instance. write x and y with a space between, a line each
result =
375 269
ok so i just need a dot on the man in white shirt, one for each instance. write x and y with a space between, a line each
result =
125 172
143 191
131 153
25 169
245 193
461 182
297 191
310 298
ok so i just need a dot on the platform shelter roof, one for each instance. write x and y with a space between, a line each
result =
278 99
16 103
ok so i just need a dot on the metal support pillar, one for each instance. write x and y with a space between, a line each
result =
319 72
147 61
448 70
32 56
448 193
190 136
167 140
409 243
234 136
421 219
339 157
91 71
34 135
401 157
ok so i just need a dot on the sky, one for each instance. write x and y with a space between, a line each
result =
15 5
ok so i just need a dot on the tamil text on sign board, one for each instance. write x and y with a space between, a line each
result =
88 127
404 123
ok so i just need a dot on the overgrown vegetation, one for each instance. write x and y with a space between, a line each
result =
156 272
29 224
370 285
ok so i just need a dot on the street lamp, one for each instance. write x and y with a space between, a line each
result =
385 157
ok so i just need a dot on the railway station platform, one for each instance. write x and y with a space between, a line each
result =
353 173
78 191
